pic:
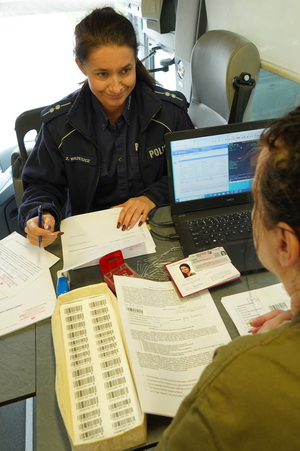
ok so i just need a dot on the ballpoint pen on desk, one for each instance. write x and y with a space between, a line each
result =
40 223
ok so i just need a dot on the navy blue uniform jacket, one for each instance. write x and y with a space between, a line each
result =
65 164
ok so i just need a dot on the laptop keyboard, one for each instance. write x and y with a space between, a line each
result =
217 230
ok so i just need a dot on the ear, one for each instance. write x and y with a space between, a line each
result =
80 65
288 247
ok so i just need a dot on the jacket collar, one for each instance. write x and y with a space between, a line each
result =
147 101
81 117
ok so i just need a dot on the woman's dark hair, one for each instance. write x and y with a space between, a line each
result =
106 27
278 183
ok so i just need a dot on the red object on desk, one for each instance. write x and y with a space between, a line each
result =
113 264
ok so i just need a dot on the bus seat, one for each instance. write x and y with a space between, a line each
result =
217 58
25 122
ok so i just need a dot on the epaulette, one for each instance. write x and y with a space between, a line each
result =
172 96
55 110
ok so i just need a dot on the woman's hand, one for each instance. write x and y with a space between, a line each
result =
135 209
270 320
46 232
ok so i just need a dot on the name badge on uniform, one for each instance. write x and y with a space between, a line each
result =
92 161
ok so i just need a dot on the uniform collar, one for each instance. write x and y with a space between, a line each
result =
102 116
146 102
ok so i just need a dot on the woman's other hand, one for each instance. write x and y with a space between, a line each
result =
270 320
47 233
134 210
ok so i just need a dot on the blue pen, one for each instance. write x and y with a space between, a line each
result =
40 223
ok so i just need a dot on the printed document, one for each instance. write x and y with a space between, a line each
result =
169 339
27 293
21 263
243 307
90 236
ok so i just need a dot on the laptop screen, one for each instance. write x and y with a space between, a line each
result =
210 163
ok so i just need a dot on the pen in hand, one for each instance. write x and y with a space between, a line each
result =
40 223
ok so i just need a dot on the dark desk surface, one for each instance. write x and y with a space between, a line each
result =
17 371
32 368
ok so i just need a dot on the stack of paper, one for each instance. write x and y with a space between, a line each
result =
95 390
26 289
90 236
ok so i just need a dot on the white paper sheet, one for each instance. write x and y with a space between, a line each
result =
243 307
170 340
91 236
32 297
21 263
146 247
34 303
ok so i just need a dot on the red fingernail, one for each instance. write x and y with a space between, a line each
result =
140 223
118 225
124 227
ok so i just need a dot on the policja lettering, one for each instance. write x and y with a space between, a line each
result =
157 151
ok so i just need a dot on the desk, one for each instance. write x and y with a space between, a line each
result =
50 430
39 376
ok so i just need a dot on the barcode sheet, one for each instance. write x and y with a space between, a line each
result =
102 394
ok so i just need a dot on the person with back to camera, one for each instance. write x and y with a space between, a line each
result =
248 398
103 145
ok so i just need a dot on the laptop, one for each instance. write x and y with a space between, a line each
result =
210 173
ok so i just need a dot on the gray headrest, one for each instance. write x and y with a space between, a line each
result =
217 57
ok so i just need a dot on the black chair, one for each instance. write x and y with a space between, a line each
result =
27 121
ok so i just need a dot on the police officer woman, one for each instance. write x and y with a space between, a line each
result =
103 145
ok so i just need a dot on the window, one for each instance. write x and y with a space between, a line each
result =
38 66
274 96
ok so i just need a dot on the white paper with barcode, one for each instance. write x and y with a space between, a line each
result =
103 397
243 307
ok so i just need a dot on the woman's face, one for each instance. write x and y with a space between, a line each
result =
185 269
111 75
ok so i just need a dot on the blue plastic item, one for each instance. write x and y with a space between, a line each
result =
62 285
